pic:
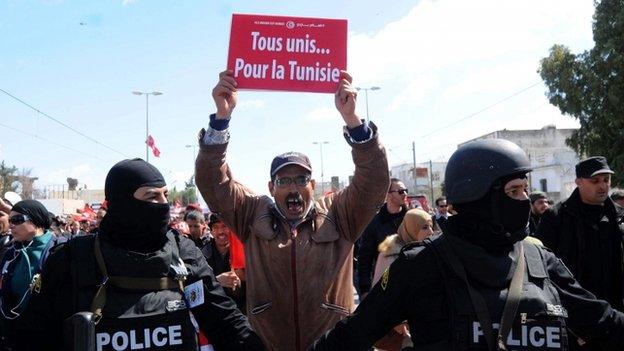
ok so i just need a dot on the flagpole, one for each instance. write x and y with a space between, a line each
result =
146 126
155 93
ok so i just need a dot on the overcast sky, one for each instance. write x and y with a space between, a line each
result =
449 71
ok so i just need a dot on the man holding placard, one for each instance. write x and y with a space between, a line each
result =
298 250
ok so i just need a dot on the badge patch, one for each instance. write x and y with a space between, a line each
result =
194 293
384 278
175 305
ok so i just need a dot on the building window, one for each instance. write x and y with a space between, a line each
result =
544 185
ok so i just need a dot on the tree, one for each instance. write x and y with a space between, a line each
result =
186 196
7 177
590 87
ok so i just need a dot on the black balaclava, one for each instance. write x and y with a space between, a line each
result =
35 210
130 223
494 222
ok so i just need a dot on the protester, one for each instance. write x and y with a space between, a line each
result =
57 226
197 232
539 205
298 250
440 219
151 278
385 223
424 203
74 229
219 257
452 288
417 225
6 204
99 215
22 263
583 231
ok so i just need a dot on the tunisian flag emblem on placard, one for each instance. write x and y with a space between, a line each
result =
152 144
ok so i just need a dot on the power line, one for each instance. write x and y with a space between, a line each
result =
483 109
61 123
51 142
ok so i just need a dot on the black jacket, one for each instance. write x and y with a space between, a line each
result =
382 225
418 288
589 245
70 280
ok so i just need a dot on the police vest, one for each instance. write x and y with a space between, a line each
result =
155 317
539 323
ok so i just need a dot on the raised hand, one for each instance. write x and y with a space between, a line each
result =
225 95
345 100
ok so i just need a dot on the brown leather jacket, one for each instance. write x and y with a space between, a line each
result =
297 292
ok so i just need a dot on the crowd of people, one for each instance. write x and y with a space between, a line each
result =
492 266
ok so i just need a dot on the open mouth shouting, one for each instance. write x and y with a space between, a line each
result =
294 205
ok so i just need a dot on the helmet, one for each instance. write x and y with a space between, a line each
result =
474 167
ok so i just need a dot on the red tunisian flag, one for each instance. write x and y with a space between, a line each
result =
237 253
88 212
152 144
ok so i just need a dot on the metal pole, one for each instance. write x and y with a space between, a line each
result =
146 126
366 96
322 171
414 174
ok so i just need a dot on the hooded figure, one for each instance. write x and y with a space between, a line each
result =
134 275
130 223
480 285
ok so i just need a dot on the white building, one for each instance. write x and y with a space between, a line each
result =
552 160
427 174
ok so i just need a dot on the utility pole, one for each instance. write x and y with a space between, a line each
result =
431 180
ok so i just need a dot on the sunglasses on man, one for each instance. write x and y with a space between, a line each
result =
301 180
399 191
18 219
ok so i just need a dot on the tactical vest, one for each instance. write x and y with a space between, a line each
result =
143 308
539 323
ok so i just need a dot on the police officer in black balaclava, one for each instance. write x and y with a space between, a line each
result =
147 287
481 285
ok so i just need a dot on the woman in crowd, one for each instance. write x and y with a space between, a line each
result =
30 222
416 226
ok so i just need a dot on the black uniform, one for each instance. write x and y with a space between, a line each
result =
453 290
383 224
71 279
148 288
589 241
421 288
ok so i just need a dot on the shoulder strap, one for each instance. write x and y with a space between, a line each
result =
478 303
99 300
513 300
132 283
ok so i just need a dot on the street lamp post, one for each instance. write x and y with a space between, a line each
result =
155 93
194 157
366 98
320 144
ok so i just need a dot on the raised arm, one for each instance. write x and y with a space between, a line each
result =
233 201
358 203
